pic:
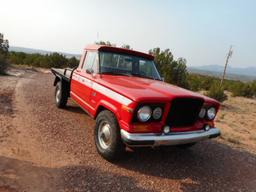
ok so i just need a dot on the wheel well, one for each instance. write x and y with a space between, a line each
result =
100 108
57 79
64 85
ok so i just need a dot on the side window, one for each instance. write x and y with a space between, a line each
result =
89 60
95 65
81 61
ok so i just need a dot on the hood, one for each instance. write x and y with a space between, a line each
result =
141 89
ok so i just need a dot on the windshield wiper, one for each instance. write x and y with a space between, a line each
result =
116 73
128 74
144 76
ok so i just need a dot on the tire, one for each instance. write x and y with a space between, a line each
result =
186 146
61 96
107 136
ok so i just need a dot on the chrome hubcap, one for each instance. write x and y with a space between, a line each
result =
104 135
58 95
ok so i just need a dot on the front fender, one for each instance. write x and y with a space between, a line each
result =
106 105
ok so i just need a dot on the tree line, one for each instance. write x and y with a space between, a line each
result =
174 71
44 61
4 46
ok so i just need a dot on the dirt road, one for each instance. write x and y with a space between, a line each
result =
43 148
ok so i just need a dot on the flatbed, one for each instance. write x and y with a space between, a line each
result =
64 74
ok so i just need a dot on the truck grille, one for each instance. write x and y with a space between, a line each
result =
184 112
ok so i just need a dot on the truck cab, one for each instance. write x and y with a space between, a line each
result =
133 107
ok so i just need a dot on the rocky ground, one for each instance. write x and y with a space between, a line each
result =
43 148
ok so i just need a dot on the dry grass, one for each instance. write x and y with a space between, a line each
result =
237 120
253 137
233 140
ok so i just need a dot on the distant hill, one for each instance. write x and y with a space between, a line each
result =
43 52
234 73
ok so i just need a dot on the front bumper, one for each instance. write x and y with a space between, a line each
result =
153 139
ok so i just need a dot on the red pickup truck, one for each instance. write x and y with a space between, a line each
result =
133 107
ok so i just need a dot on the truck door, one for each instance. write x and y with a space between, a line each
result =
83 80
75 84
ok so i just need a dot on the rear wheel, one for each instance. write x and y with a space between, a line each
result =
107 136
61 97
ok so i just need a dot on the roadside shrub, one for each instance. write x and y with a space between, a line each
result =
243 90
199 82
216 92
3 64
254 88
4 46
73 62
194 82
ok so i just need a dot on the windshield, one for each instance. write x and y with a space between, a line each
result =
121 64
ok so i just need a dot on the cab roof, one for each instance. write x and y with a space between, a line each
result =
107 48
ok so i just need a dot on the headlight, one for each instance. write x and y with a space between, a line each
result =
144 113
157 113
211 113
202 113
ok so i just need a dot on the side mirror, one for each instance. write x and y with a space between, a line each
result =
89 71
162 78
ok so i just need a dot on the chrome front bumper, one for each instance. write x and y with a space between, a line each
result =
153 139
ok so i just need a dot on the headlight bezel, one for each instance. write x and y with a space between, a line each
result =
210 116
202 113
153 106
154 111
140 110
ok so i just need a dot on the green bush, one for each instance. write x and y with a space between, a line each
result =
4 46
3 64
254 88
73 62
243 89
216 92
237 88
198 82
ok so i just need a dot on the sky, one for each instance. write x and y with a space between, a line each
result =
199 31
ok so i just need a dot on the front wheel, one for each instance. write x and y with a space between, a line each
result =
107 136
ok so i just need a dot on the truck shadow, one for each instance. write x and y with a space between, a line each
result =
75 109
208 166
17 175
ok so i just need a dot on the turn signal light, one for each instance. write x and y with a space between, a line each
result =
141 128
